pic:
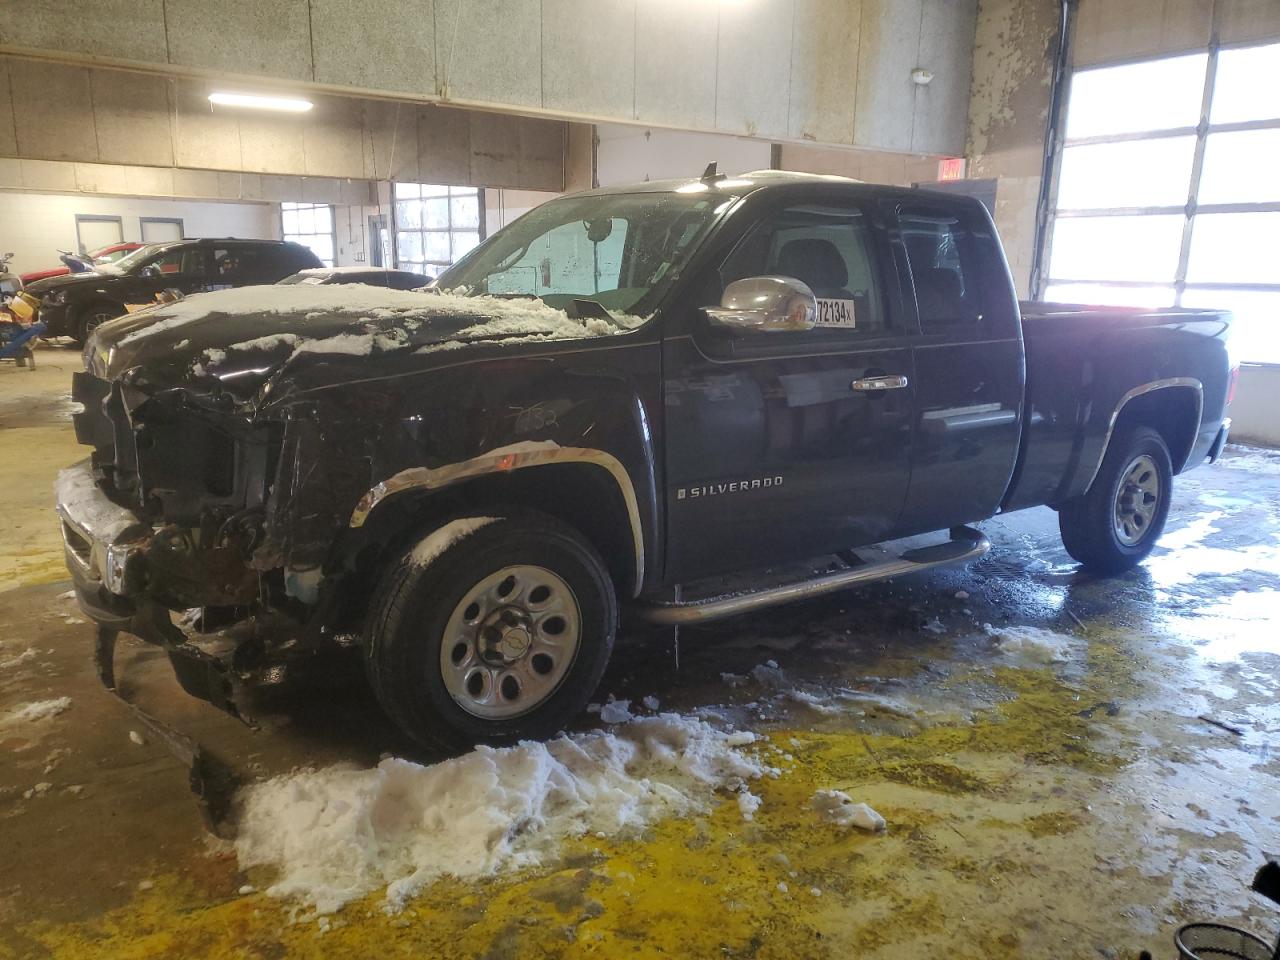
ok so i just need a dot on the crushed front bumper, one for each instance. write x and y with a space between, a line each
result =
105 547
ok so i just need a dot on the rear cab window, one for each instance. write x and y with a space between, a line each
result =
958 272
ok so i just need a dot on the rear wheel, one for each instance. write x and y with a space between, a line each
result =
1115 525
491 630
92 317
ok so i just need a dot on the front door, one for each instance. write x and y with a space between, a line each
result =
772 453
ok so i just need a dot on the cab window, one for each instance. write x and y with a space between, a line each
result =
183 262
946 266
826 248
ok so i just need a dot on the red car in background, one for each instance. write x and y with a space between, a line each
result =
108 254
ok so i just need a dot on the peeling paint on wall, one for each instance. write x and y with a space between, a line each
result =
1009 99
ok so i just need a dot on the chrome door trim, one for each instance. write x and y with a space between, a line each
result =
515 456
1139 391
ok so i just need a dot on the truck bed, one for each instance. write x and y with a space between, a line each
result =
1084 363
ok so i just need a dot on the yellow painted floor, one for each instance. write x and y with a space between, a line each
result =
35 443
1079 808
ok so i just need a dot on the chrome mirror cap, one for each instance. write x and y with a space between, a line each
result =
766 304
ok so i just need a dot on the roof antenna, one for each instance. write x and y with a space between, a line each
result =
710 175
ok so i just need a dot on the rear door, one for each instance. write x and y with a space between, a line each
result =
970 374
772 454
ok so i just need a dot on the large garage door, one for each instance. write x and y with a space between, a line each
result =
1167 189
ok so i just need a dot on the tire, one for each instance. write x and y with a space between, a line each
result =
449 586
92 317
1114 526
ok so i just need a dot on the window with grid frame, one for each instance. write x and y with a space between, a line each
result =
1166 189
310 224
435 225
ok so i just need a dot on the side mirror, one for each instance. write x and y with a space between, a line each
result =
149 271
767 304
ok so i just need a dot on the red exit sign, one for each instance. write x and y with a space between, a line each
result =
951 168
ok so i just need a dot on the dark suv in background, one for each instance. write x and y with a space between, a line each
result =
73 305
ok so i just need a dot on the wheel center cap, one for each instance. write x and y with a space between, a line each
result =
514 643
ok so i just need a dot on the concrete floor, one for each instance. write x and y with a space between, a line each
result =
1075 808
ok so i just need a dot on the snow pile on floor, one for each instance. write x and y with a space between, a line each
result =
1031 643
836 806
1192 533
1252 459
338 833
34 712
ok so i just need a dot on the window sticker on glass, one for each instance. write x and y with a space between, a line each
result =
836 313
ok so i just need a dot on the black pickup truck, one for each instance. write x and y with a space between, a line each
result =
662 395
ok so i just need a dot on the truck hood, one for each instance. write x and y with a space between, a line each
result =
242 338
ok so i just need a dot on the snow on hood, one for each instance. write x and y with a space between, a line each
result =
334 835
208 329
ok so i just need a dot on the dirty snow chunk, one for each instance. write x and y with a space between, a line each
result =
245 890
962 594
21 658
782 886
1031 643
336 834
740 738
616 711
836 806
733 679
748 804
650 703
815 703
136 738
214 356
935 626
35 711
438 541
69 595
593 708
768 674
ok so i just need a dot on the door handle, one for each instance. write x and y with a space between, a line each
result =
878 384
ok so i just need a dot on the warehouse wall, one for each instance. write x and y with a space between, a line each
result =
1013 59
34 226
59 111
1010 101
635 154
832 71
870 166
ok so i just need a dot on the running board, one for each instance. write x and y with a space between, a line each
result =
965 544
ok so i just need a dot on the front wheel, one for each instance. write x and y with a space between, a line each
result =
490 630
1115 525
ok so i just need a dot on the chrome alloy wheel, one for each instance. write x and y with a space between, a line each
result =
1137 500
510 642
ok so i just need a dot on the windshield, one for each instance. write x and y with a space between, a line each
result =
127 263
615 249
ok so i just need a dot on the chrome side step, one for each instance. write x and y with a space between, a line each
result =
965 544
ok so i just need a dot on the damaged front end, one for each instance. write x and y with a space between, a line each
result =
169 532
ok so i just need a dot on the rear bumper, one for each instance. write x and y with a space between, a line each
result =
1220 441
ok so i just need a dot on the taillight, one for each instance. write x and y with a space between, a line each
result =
1232 379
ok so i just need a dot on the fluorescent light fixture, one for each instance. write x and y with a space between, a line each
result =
255 102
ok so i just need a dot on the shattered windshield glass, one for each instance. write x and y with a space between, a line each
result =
613 249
